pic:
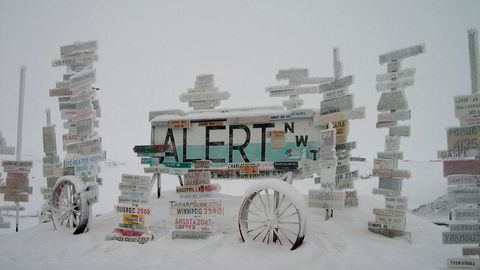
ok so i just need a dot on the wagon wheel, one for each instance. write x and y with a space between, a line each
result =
70 210
273 212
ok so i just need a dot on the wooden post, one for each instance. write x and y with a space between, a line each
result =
21 96
473 50
159 185
47 112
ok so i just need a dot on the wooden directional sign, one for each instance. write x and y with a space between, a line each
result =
390 155
461 237
337 84
339 104
124 209
356 113
466 199
391 173
401 54
346 146
197 178
195 224
393 184
471 251
289 90
385 192
392 143
335 93
463 179
393 100
85 159
15 197
77 47
471 166
7 150
11 163
84 77
457 154
394 116
464 227
463 138
135 179
463 191
285 74
399 84
397 221
463 263
85 147
204 95
387 124
376 225
334 199
396 202
179 124
134 187
467 106
385 164
466 213
199 188
408 72
389 212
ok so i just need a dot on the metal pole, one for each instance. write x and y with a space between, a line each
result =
473 50
23 70
159 185
47 112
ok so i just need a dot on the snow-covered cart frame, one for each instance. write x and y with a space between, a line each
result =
246 143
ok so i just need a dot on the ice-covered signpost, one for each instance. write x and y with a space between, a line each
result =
337 109
16 188
75 193
393 107
461 166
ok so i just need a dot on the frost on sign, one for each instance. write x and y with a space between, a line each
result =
394 100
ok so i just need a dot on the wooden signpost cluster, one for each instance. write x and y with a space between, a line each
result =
133 200
52 168
4 148
204 94
16 188
393 107
194 215
80 109
461 166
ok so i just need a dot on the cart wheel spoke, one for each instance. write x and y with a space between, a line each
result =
260 232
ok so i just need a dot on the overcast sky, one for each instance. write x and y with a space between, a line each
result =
151 51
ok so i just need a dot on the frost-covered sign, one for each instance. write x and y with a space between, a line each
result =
393 107
16 188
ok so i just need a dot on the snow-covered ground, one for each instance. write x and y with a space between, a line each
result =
341 243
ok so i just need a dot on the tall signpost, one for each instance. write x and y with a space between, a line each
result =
393 107
461 166
80 109
16 188
337 109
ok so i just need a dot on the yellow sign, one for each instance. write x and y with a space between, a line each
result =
133 219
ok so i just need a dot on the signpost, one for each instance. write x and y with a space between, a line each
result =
135 191
393 107
461 166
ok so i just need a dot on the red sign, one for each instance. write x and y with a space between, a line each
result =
471 166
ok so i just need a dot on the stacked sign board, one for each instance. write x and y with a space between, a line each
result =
327 197
393 107
79 108
461 166
16 188
4 148
135 191
204 94
52 168
194 215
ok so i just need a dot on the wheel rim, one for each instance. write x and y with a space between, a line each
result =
270 217
68 208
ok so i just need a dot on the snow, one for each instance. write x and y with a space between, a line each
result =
339 243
